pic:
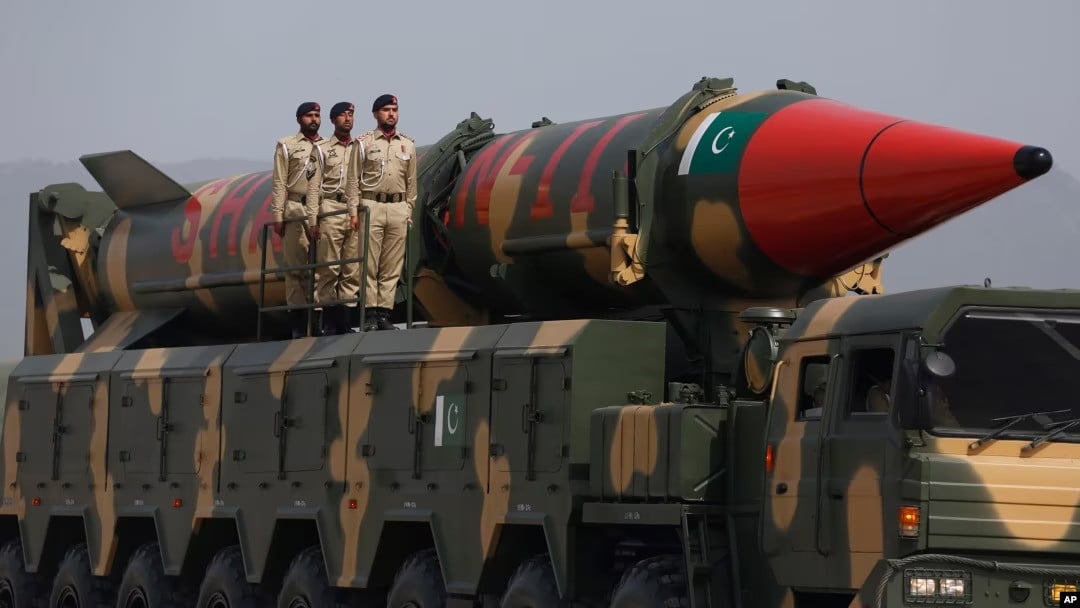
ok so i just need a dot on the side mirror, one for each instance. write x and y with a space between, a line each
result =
939 365
759 357
936 365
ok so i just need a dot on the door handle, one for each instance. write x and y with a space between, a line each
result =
781 488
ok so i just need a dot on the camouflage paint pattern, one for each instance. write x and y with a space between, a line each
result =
336 431
531 223
572 438
831 504
367 464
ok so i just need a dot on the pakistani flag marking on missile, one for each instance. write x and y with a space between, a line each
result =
717 144
449 420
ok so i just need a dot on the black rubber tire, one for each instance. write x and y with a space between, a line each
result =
145 584
655 582
532 585
418 583
73 580
18 588
306 585
226 585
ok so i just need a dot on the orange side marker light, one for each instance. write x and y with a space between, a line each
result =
909 521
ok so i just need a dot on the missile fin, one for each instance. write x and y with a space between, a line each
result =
131 181
127 327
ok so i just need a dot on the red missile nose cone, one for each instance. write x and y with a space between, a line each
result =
917 176
824 186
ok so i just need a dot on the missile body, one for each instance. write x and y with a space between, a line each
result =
529 219
765 195
201 255
732 198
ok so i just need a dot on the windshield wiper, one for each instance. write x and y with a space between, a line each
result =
1062 426
1040 417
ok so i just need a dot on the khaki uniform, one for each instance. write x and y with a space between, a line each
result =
337 239
382 178
292 168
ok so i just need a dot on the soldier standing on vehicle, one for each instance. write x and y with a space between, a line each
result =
339 232
292 168
382 178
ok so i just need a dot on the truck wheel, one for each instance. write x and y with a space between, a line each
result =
305 584
419 583
654 582
18 588
225 586
75 586
145 585
532 585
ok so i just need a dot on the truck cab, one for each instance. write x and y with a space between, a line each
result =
923 448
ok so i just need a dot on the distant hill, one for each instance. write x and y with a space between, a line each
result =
1028 237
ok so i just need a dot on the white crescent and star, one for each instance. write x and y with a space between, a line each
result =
452 423
730 134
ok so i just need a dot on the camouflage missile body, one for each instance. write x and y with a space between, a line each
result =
737 200
533 447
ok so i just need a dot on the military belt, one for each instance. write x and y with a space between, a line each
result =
339 197
293 199
384 197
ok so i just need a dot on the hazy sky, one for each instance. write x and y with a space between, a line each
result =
183 79
190 79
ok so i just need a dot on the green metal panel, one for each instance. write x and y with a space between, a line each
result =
698 452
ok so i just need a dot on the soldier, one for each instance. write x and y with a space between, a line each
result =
339 232
292 169
878 399
382 179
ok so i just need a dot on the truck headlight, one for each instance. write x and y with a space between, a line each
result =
1052 590
937 586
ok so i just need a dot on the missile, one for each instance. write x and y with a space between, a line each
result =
764 195
719 199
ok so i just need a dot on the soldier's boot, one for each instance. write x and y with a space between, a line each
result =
327 325
371 321
298 321
344 324
384 319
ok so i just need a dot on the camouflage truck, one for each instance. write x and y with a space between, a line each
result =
656 367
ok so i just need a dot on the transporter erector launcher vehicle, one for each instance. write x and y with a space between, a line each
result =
619 316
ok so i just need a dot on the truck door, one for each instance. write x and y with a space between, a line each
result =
862 453
791 496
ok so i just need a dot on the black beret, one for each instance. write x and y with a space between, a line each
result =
340 108
383 100
306 107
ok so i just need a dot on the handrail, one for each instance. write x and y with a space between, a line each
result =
312 265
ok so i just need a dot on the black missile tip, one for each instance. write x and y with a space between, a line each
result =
1031 162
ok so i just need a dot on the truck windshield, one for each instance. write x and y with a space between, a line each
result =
1011 363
